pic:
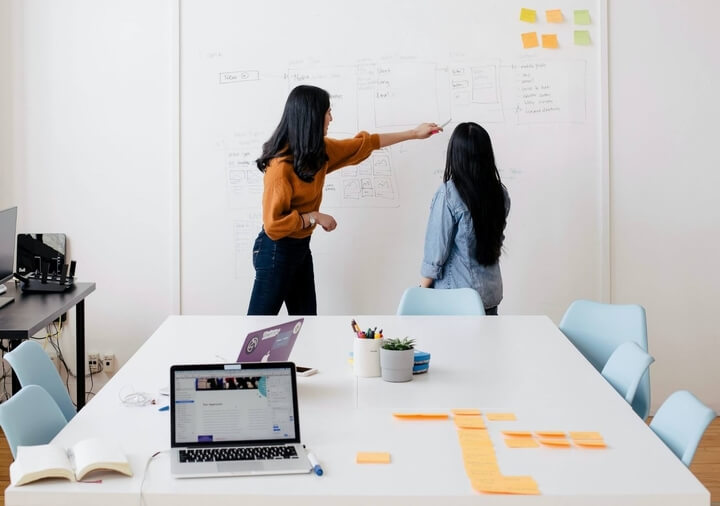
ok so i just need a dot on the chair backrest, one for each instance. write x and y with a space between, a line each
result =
597 329
681 422
625 367
439 301
30 417
33 367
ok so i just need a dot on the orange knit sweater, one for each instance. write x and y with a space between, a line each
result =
286 196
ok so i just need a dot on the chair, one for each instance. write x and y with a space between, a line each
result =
30 417
438 301
681 422
625 367
597 329
33 367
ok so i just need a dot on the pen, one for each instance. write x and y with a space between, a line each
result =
164 408
316 465
442 126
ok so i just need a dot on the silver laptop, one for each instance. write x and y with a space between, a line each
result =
235 420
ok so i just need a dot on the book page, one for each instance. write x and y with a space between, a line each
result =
41 461
95 453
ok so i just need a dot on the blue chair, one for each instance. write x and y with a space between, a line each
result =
681 422
30 417
625 367
438 301
597 329
33 367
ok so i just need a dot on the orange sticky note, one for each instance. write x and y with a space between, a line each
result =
549 433
500 417
506 485
521 442
517 433
549 41
469 422
586 435
554 16
590 443
466 412
421 416
529 40
527 15
372 458
559 442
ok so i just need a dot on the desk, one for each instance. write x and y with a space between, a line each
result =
519 364
31 312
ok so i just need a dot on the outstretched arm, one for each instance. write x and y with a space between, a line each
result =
422 131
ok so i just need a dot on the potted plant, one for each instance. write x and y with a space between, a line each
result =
397 357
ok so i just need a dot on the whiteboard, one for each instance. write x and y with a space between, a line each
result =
389 65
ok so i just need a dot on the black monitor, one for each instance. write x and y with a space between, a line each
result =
8 224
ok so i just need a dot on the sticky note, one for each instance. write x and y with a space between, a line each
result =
421 416
466 412
521 442
586 435
582 38
549 41
506 485
530 40
372 458
590 443
527 15
517 433
500 417
549 433
559 442
554 16
582 17
469 422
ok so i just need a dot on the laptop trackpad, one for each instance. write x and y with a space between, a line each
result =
249 467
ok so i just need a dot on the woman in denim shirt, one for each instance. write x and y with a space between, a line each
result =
465 230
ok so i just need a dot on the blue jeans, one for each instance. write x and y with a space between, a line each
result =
283 273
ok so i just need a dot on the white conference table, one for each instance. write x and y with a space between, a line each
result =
517 364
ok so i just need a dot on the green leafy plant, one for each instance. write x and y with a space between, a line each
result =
400 343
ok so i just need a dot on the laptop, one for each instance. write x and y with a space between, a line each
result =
272 344
235 420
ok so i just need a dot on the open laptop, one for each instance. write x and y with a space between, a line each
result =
235 420
272 344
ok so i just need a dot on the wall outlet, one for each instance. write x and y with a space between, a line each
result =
108 362
94 364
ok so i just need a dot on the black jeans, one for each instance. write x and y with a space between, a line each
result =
283 273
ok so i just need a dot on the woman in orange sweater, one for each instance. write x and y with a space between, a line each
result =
295 161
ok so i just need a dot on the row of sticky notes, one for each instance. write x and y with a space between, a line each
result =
556 439
580 16
550 40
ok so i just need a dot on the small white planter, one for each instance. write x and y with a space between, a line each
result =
397 365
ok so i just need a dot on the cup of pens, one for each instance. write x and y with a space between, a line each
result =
366 351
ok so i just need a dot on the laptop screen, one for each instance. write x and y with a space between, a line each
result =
233 404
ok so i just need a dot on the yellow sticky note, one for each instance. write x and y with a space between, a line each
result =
421 416
582 38
549 433
530 40
586 435
501 417
527 15
372 458
506 485
582 17
590 443
554 16
469 422
559 442
549 41
521 442
475 412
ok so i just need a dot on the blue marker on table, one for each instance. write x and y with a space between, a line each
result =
164 408
316 465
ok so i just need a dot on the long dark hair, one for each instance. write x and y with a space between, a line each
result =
300 134
471 165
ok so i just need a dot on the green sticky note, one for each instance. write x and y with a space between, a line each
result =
582 17
582 38
527 15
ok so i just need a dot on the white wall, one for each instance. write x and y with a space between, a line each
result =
6 179
665 225
102 74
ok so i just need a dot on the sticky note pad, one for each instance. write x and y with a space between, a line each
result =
517 433
421 416
559 442
466 412
586 435
372 458
549 433
582 38
521 442
549 41
590 443
527 15
554 16
530 40
582 17
469 422
500 417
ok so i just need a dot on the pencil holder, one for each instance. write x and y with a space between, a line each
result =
366 357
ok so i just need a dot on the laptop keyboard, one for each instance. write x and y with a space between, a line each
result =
244 453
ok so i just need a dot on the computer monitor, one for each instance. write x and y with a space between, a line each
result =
8 224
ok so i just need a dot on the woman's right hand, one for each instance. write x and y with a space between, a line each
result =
326 221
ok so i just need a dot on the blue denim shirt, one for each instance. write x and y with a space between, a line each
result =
450 246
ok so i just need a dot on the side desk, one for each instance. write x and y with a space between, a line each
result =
31 312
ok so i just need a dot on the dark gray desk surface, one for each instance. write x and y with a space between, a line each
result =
31 312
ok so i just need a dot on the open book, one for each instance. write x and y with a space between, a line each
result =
52 461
